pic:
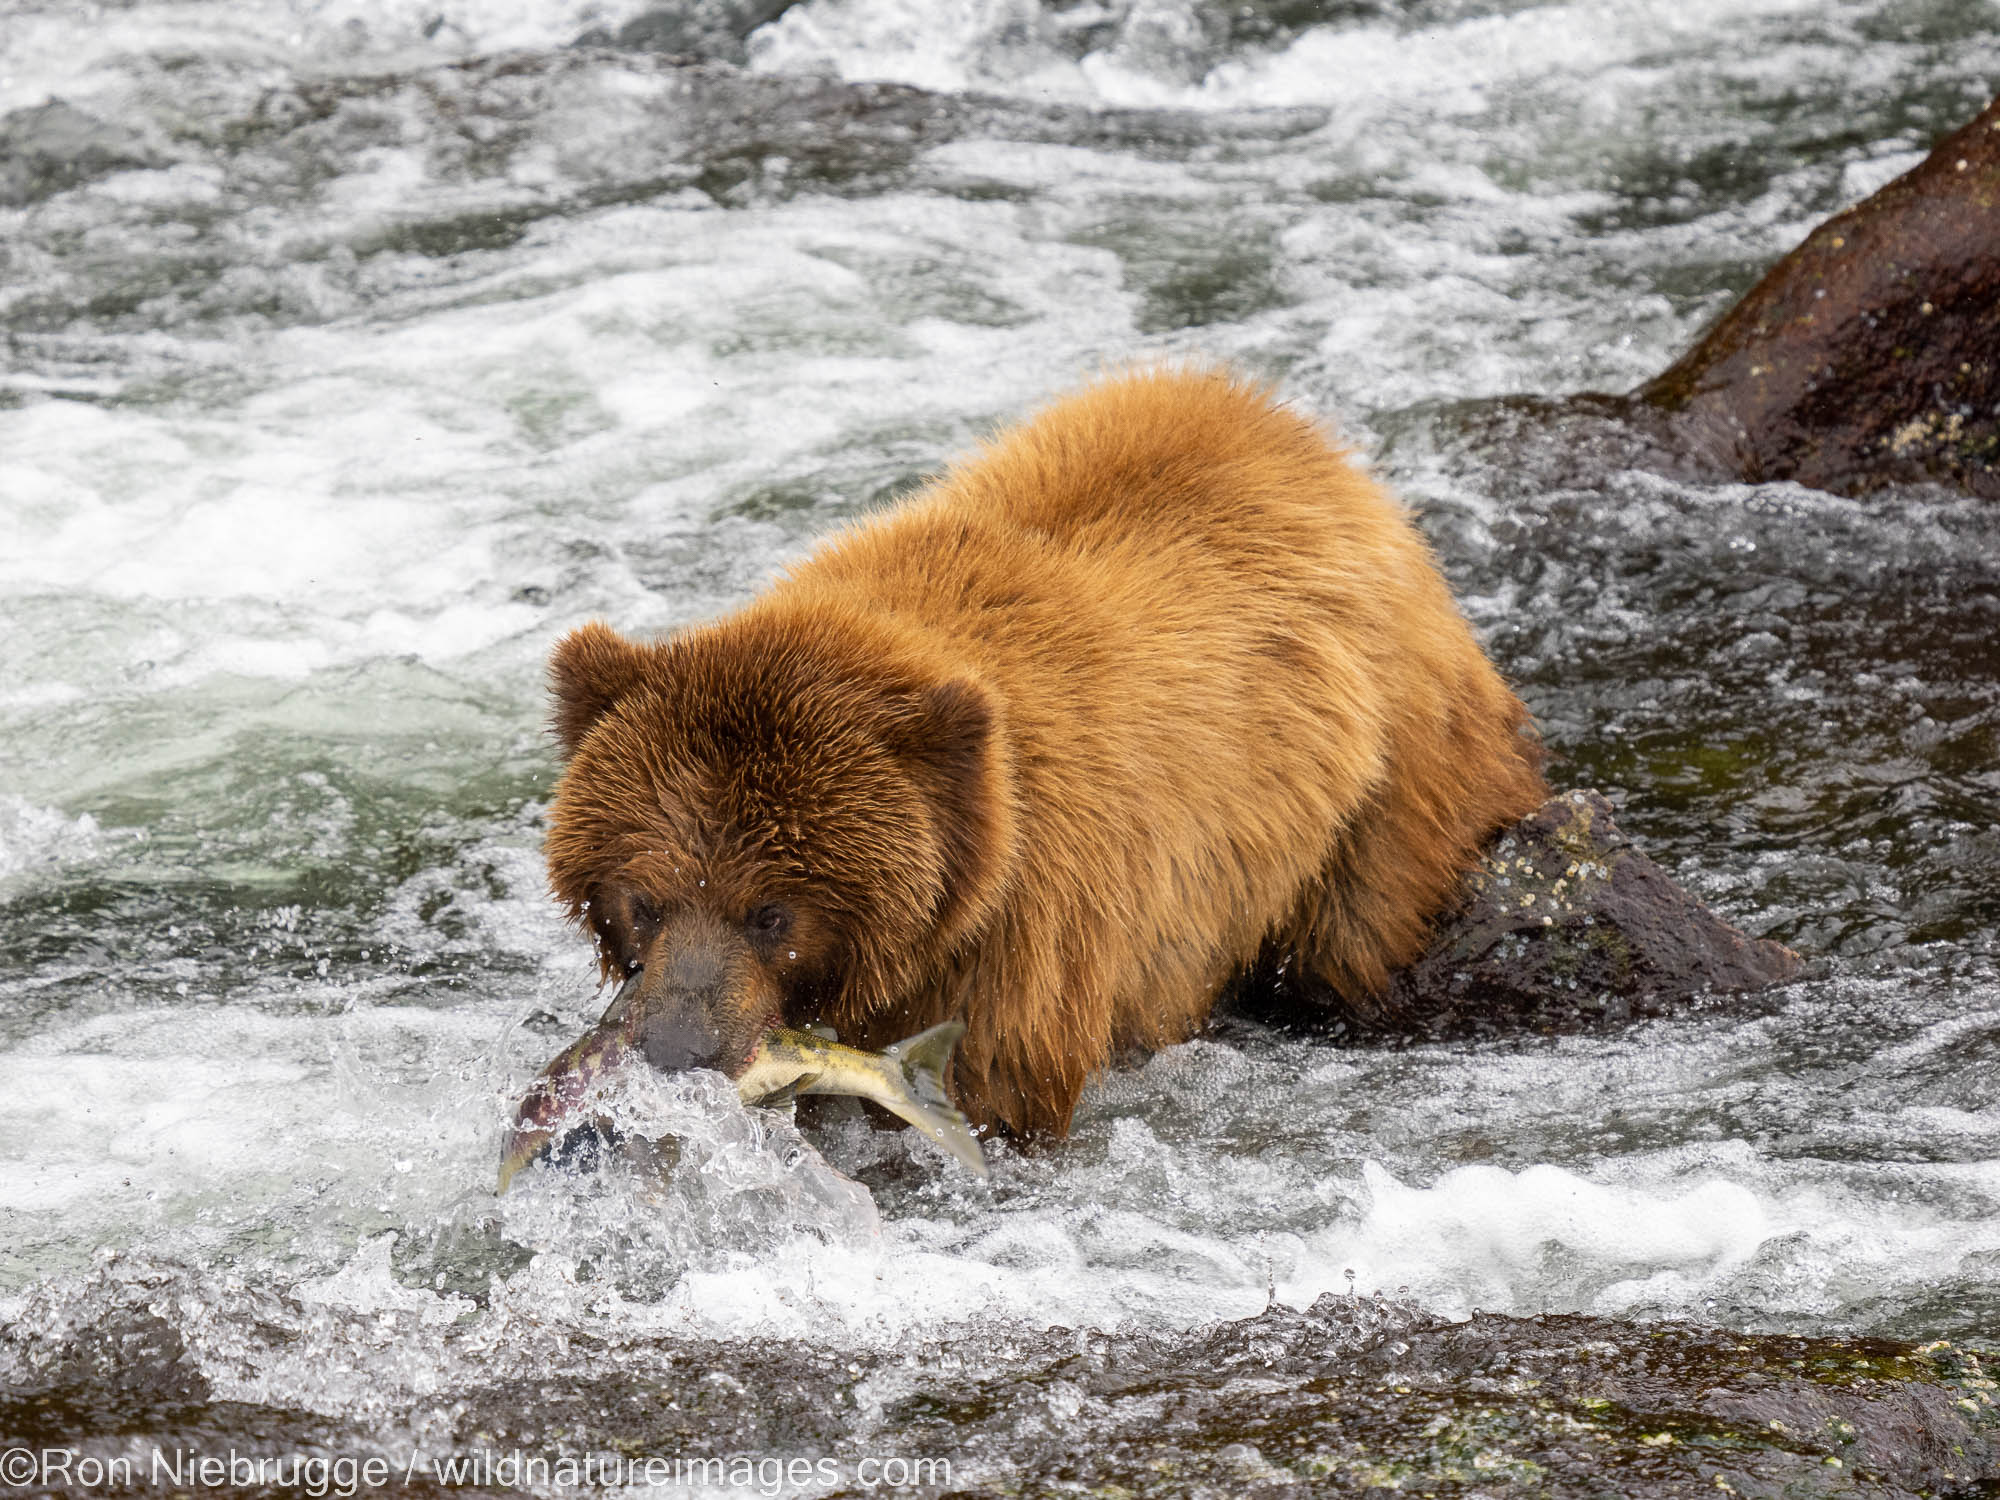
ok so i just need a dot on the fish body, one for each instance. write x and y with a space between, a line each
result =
554 1100
906 1079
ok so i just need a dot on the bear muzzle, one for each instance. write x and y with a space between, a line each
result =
699 1000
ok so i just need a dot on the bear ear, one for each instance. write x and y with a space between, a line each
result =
592 669
949 723
953 741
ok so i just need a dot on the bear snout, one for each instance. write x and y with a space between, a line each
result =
700 999
680 1040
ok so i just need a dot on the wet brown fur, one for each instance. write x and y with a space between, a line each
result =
1149 684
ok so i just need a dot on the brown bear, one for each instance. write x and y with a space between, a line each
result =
1148 686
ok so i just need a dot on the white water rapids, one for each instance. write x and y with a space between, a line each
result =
356 351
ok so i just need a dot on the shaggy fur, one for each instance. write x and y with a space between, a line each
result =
1149 685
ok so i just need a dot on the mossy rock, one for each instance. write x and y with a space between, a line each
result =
1567 924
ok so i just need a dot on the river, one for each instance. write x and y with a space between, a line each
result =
354 351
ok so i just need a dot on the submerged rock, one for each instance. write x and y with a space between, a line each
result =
55 146
1352 1395
1567 923
1284 1404
714 30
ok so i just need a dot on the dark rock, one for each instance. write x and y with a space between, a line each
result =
1869 354
1352 1395
1678 1409
53 147
1566 924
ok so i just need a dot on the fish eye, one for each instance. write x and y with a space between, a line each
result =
769 922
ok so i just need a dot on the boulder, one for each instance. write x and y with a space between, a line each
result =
1871 353
1567 924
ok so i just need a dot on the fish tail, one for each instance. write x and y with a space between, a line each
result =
922 1061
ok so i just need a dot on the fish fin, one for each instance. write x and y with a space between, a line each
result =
820 1028
922 1061
520 1155
785 1095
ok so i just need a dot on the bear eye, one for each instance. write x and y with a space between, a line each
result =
769 922
625 921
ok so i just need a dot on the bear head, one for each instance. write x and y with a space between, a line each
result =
777 818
